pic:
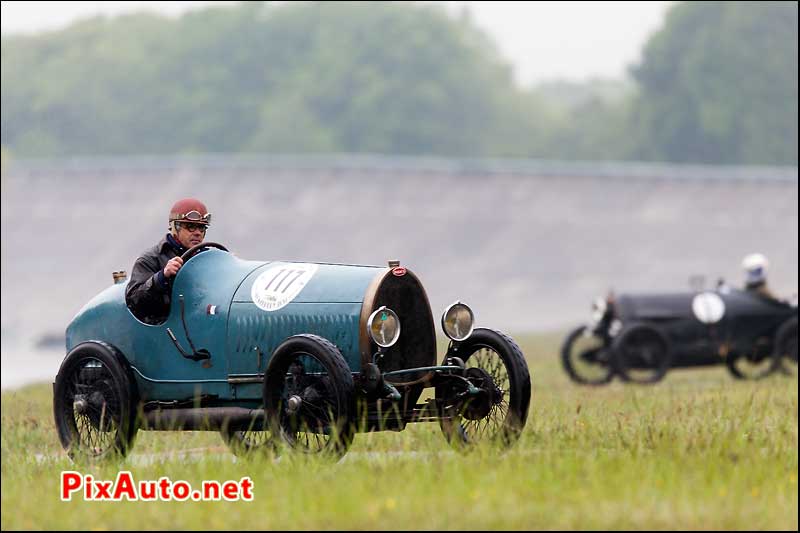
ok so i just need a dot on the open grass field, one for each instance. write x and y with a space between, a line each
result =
699 450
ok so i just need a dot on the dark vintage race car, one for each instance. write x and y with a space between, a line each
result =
284 354
639 337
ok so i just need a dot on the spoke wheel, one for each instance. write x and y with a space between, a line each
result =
497 415
786 347
641 354
308 394
248 441
586 358
94 403
756 363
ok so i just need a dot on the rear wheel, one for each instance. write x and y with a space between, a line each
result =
94 403
786 346
308 396
586 358
641 354
496 366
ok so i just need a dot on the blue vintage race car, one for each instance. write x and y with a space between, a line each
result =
639 337
299 354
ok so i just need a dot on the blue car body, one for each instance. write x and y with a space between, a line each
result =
221 317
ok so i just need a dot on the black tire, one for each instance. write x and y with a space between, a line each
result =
95 402
311 371
786 347
586 365
501 359
249 441
642 354
760 361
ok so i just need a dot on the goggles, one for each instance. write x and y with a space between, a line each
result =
193 216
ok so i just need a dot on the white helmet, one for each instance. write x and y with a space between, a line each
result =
755 267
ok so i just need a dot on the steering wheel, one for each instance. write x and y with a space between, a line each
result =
196 249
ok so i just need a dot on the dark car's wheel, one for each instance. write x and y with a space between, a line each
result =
586 358
95 402
786 346
308 395
757 362
250 441
641 354
497 415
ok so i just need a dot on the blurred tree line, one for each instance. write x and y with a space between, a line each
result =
717 84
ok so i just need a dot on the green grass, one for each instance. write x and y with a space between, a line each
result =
698 451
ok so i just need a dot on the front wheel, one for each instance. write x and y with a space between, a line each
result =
641 354
586 358
758 361
248 441
308 396
94 403
497 415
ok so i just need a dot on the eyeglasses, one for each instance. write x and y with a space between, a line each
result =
188 226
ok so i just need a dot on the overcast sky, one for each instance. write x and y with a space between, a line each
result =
543 40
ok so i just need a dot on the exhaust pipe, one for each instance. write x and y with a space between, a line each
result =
204 419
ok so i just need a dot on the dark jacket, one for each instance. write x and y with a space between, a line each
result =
148 292
760 288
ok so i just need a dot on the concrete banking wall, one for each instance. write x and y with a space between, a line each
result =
528 244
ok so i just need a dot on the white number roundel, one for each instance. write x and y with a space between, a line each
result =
280 284
708 307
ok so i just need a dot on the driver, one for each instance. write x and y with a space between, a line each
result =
149 288
755 268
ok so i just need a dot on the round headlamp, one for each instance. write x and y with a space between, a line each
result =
384 327
599 307
599 304
458 321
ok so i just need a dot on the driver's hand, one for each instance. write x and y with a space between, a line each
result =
172 267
